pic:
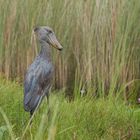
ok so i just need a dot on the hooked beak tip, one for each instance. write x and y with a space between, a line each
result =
60 49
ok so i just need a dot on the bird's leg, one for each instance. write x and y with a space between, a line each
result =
47 91
47 99
31 132
29 124
31 117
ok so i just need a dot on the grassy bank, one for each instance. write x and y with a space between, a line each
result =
84 118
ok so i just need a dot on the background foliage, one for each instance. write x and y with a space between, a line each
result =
100 39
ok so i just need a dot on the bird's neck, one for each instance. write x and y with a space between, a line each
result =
45 51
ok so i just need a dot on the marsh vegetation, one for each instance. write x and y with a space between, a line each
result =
101 57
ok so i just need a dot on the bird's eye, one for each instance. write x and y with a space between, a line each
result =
49 31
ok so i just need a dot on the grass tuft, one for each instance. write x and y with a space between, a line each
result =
84 118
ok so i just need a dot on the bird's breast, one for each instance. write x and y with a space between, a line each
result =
48 68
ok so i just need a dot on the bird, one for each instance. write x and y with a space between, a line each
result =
39 75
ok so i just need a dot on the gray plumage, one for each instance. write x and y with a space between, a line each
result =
39 75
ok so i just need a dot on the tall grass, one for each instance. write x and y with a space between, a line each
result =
84 118
100 38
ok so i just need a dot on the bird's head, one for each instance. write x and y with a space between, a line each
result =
46 34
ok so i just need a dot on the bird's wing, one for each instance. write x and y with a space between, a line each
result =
36 80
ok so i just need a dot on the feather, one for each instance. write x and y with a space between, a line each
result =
37 80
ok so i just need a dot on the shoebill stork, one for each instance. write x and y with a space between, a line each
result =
39 75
